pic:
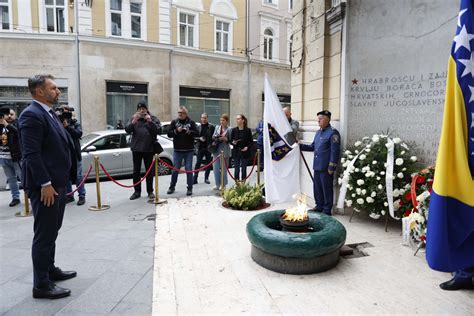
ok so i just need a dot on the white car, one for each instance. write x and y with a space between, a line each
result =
113 149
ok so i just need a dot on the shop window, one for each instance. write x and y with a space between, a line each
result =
122 100
214 102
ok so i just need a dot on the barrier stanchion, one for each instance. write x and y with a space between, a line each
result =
222 171
258 166
99 206
156 200
27 212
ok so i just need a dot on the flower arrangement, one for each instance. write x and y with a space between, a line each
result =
366 176
243 196
422 183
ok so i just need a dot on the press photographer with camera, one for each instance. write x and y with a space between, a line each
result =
144 128
74 129
10 152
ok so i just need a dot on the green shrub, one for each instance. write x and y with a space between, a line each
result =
243 196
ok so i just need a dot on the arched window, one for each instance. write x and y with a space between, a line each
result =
268 44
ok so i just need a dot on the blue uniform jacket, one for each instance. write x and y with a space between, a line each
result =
327 149
45 148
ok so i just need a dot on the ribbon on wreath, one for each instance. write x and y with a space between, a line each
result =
389 175
345 181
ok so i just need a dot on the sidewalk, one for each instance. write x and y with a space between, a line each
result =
203 265
112 251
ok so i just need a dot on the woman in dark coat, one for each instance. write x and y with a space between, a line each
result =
241 139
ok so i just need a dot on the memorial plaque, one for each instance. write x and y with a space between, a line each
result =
397 55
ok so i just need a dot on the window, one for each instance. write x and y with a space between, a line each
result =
222 36
214 102
136 17
268 44
271 3
4 15
116 17
108 142
122 99
55 16
186 29
290 5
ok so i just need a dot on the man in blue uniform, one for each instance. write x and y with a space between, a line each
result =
327 149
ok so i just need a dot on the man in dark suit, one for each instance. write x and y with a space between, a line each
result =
45 174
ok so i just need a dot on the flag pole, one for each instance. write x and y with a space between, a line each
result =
306 164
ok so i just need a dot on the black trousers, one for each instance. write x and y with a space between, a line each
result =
47 222
137 165
203 153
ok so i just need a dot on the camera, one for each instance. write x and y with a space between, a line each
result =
65 113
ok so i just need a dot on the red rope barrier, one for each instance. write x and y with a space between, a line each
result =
251 170
190 171
124 185
253 167
84 178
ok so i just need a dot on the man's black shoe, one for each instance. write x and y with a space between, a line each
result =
60 275
51 292
69 199
314 209
151 196
135 196
81 201
457 283
14 202
207 181
170 190
189 192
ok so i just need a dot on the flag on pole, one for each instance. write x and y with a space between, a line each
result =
281 153
450 232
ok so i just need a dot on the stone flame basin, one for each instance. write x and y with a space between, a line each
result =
315 250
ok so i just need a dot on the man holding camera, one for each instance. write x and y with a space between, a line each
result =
144 128
10 152
182 130
74 129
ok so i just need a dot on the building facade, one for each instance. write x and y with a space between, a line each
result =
109 54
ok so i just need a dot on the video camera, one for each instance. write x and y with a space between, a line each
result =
4 111
65 113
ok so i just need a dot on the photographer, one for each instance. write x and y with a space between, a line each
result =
75 131
182 130
10 152
144 128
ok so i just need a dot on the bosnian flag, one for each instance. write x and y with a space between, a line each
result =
281 153
450 232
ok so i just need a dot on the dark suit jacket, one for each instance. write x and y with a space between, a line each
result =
45 148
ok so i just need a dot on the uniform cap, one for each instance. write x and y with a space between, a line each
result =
325 112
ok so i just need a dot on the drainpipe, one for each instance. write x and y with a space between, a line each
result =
249 61
303 59
78 65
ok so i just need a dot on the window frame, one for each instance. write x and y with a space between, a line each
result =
195 28
230 37
126 20
8 4
266 44
270 3
44 19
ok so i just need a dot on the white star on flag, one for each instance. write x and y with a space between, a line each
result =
459 16
472 94
469 66
462 39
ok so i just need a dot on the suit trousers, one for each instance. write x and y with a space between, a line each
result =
137 166
47 222
323 191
